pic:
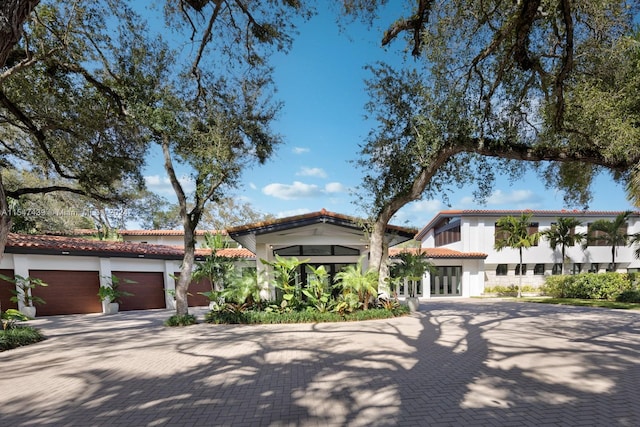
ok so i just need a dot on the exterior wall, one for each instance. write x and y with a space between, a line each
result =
478 235
22 264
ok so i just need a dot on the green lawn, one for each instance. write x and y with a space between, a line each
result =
583 302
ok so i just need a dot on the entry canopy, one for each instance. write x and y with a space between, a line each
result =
308 228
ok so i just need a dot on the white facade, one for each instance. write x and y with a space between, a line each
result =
474 231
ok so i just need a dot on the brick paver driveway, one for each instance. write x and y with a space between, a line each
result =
458 362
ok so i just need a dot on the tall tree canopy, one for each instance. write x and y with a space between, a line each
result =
65 95
498 85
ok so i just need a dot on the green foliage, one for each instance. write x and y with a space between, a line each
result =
25 284
411 266
218 269
19 336
305 316
352 280
613 233
587 285
285 272
242 289
510 290
113 293
317 292
630 295
181 320
10 317
562 233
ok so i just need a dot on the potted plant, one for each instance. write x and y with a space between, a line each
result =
410 268
23 294
111 295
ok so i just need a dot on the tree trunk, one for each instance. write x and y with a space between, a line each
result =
379 251
182 287
13 14
520 279
5 218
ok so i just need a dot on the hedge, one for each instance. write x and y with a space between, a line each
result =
589 285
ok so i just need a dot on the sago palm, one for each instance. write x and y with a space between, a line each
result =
354 280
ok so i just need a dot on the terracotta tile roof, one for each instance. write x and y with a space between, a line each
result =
309 216
236 252
440 253
166 232
505 212
60 245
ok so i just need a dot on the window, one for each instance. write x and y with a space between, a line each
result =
448 233
595 267
557 269
598 238
501 270
446 281
500 234
538 269
524 269
577 268
316 250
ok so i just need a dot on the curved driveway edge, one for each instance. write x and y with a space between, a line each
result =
457 362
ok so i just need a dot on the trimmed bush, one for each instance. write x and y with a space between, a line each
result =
508 290
632 295
19 336
587 285
306 316
177 320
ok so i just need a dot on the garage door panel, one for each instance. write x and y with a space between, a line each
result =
195 299
68 292
5 291
148 290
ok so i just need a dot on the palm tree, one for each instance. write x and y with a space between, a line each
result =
634 239
613 233
514 233
562 234
353 279
411 266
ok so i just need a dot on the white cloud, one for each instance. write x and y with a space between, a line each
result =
300 190
316 172
300 150
335 187
498 197
516 199
297 190
162 185
253 186
426 206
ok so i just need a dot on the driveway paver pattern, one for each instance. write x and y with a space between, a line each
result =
457 362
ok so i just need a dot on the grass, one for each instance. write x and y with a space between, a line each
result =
584 302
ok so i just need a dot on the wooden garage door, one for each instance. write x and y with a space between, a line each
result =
195 299
148 291
5 291
69 292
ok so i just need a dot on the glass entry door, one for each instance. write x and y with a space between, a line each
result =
446 281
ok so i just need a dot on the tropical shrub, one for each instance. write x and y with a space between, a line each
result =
285 271
587 285
305 316
509 290
353 280
181 320
631 295
19 336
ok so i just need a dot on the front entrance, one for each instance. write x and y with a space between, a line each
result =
446 281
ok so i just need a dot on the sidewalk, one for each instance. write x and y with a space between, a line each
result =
458 362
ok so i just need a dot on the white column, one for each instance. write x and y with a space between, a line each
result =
20 268
105 272
170 268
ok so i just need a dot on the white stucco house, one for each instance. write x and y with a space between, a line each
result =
459 243
474 231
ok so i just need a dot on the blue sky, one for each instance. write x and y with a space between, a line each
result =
321 82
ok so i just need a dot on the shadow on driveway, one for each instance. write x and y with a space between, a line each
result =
458 362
